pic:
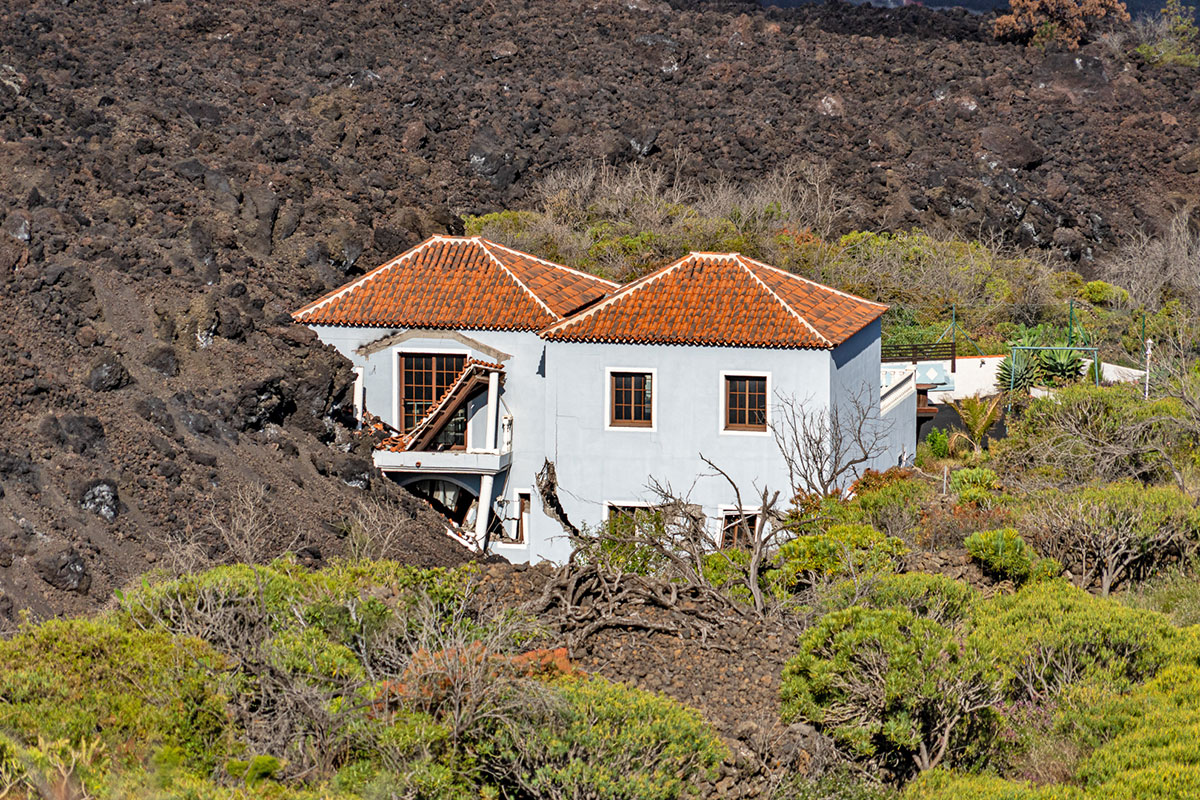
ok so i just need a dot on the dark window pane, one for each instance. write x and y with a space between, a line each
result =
632 399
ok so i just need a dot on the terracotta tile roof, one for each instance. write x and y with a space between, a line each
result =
721 299
456 282
457 391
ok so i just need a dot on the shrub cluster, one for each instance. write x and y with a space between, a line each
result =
361 680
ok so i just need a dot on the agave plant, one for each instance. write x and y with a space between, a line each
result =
1060 366
1019 372
977 415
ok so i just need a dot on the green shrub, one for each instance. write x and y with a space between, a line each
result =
1045 569
946 785
1103 293
1149 750
936 597
1175 593
894 508
1113 534
892 686
605 741
1085 433
1003 553
974 477
1050 635
77 679
939 442
838 552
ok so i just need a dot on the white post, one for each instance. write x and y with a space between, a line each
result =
1149 344
489 440
483 508
359 395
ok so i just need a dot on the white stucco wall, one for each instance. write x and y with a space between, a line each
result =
598 466
556 394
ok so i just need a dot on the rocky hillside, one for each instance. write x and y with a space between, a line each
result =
175 177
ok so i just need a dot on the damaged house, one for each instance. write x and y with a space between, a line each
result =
482 363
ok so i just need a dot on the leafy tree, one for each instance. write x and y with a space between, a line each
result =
892 686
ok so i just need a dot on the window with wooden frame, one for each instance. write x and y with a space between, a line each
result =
745 402
631 400
424 379
737 529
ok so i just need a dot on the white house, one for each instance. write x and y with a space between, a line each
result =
483 362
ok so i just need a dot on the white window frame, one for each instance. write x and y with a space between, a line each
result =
397 371
360 395
724 401
612 505
654 392
724 511
516 521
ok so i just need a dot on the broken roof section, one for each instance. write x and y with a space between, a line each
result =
721 299
474 377
463 283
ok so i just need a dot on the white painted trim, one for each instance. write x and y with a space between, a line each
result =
741 262
512 275
397 421
516 522
360 394
749 373
531 257
653 373
723 510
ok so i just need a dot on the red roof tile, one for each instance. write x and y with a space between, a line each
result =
456 282
721 299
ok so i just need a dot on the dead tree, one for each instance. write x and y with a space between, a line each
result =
828 447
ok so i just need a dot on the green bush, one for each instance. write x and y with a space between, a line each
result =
1003 553
936 597
1103 293
79 679
1050 635
1085 433
1150 750
605 741
892 686
1113 534
893 508
838 552
974 478
939 442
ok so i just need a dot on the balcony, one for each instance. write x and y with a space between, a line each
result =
460 462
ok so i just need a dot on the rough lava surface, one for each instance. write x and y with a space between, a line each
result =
175 177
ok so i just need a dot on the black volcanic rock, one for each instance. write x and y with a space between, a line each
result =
66 571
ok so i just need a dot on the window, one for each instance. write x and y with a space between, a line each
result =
631 400
745 403
521 529
424 378
737 528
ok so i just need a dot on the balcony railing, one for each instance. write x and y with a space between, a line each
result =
922 351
